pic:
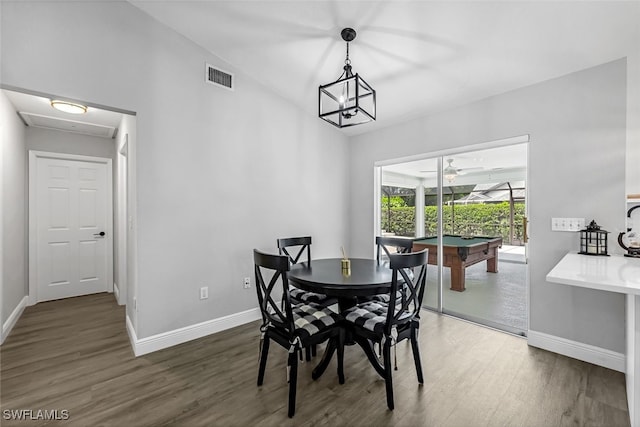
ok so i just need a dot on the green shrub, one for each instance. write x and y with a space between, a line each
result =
491 219
394 201
402 221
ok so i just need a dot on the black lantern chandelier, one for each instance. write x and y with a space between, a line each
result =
349 100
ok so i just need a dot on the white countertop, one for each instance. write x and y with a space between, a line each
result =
615 273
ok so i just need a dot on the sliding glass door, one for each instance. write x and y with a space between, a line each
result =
469 208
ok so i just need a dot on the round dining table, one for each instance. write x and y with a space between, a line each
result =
325 276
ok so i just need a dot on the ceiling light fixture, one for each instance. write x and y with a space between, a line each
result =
68 107
349 100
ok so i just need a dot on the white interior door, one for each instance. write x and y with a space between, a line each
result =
72 216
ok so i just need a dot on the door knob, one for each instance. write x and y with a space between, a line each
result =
101 234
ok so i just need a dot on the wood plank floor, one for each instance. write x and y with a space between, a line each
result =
75 355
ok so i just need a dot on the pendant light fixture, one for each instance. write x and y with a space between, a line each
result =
349 100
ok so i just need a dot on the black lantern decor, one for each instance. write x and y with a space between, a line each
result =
593 240
349 100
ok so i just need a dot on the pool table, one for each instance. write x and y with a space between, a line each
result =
460 252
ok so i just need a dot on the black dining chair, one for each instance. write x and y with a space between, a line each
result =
295 248
398 245
293 326
387 324
298 249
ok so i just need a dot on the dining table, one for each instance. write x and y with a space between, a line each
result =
366 277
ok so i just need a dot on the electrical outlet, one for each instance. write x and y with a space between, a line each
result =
204 292
247 282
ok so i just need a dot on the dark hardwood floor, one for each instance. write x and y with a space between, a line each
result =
74 355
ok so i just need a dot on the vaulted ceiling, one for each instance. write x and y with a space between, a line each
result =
420 56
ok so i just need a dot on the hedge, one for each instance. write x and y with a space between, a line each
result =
473 219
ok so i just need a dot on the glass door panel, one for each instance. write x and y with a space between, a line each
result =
485 273
409 208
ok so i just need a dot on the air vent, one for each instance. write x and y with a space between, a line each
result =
217 77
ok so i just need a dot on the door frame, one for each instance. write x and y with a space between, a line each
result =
121 229
439 155
34 155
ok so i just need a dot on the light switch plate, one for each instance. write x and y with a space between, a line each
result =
567 224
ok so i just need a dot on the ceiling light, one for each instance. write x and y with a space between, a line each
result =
349 100
68 107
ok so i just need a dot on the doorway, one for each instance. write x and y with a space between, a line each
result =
457 200
100 131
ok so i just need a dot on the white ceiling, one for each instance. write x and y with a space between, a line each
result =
37 111
420 56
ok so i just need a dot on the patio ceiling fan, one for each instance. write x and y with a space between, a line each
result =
450 171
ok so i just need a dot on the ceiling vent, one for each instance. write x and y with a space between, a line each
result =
217 77
47 122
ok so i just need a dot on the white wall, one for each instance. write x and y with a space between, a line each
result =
218 172
577 131
2 136
14 210
633 119
56 141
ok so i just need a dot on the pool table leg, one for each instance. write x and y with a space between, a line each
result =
492 263
457 277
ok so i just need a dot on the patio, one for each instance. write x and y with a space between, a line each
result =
495 299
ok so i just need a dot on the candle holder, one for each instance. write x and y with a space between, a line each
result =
346 267
593 240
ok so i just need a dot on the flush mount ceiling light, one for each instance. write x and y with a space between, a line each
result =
68 107
349 100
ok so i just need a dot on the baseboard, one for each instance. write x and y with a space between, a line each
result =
133 338
178 336
11 321
116 292
577 350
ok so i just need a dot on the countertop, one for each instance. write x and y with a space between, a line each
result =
615 273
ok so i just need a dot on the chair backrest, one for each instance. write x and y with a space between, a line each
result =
409 300
403 245
297 245
274 311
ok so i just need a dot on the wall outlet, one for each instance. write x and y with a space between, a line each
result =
247 282
204 292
